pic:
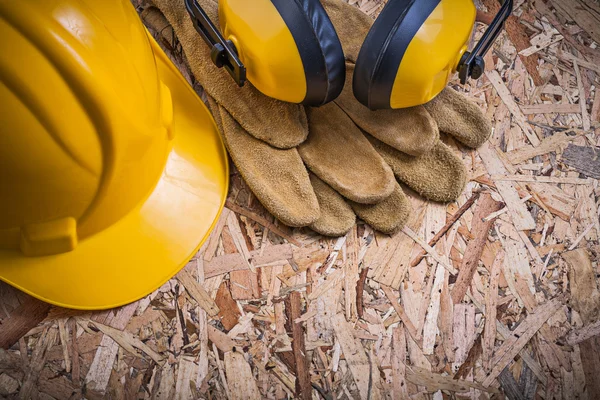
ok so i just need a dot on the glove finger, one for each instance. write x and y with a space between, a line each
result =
338 153
388 216
438 175
460 118
277 177
411 130
337 217
255 112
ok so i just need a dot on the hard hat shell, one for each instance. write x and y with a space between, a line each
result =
411 52
112 171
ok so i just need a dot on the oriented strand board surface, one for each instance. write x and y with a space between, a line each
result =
494 295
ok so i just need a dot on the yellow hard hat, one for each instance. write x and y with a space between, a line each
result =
112 171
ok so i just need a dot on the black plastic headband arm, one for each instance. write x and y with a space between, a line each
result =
471 64
222 53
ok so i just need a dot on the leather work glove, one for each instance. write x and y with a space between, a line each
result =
352 153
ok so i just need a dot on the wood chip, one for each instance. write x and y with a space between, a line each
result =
579 12
586 301
128 342
513 107
464 331
430 251
398 363
264 222
229 312
553 199
351 274
293 312
480 229
579 335
357 360
586 296
491 303
542 179
412 331
21 320
558 108
360 285
521 217
241 383
511 347
220 339
213 240
451 221
64 342
582 98
8 385
38 358
198 293
239 240
434 382
584 159
272 255
332 280
549 144
543 40
99 372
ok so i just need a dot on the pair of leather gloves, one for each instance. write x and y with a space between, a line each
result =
322 167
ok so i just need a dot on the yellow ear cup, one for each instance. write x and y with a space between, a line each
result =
411 51
289 48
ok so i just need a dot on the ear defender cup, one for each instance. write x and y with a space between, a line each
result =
411 51
289 47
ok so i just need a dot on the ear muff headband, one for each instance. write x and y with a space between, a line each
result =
384 47
319 47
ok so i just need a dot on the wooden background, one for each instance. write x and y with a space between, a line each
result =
504 303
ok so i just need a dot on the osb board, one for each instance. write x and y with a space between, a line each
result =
504 303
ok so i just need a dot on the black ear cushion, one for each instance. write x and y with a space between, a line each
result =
384 47
319 46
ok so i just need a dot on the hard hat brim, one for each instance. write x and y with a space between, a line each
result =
141 252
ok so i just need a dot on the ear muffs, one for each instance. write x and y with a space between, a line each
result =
414 47
288 49
411 50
